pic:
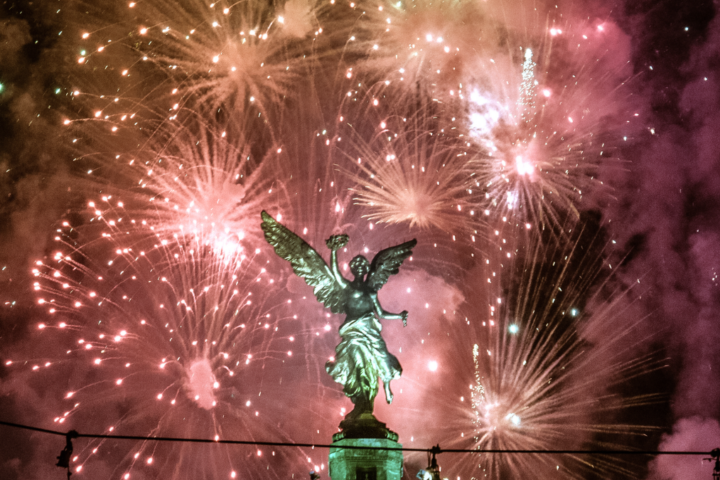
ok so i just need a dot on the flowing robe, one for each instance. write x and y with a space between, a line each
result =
362 357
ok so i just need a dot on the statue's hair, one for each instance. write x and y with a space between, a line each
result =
357 261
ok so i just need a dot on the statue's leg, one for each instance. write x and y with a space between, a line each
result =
388 392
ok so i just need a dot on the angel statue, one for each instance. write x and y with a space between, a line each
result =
362 356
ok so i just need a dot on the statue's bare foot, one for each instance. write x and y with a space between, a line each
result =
388 393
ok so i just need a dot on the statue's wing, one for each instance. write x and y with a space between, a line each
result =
387 262
306 263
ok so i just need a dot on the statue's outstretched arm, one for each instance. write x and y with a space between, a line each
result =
335 243
335 270
385 315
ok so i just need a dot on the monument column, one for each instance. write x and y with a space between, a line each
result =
361 463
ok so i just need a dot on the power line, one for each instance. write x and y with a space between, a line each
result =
351 447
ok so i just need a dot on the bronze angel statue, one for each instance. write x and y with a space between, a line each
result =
362 356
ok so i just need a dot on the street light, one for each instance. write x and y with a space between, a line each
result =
432 472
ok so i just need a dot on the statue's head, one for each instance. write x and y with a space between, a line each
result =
359 266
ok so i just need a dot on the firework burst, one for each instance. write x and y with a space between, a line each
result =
420 47
239 56
545 119
412 171
161 338
527 169
202 180
546 375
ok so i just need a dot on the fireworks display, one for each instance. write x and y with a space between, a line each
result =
545 379
416 176
164 329
494 132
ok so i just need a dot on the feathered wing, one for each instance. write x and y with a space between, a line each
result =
387 262
306 263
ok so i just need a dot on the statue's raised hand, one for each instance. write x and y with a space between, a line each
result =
404 315
336 242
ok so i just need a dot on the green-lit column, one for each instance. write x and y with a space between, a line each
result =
362 464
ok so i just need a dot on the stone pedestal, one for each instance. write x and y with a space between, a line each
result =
361 464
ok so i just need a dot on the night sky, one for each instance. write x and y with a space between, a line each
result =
659 203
